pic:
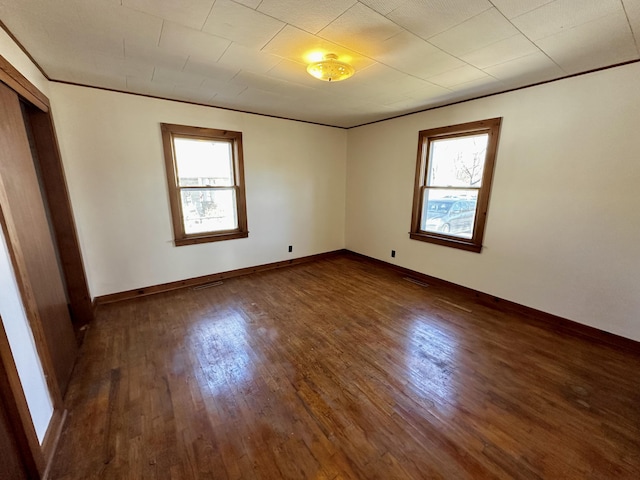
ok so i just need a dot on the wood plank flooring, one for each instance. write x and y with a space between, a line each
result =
342 369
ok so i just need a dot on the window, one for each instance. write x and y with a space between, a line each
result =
453 181
206 183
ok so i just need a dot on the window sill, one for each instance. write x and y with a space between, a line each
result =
210 237
459 243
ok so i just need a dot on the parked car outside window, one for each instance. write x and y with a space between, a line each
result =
449 216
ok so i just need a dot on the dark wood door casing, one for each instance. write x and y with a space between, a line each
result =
28 228
20 454
33 190
64 229
11 464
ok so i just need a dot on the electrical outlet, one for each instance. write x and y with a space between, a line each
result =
290 248
393 253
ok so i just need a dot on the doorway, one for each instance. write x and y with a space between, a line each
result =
37 224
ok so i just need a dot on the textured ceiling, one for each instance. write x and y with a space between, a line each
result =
250 54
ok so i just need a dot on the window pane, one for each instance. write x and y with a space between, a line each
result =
450 212
203 162
209 210
457 162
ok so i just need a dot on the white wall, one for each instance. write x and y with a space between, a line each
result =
23 347
16 57
563 227
111 147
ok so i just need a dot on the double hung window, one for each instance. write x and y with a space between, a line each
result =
452 184
206 183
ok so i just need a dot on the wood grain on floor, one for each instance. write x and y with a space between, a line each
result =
341 369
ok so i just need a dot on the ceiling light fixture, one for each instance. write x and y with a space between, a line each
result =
330 69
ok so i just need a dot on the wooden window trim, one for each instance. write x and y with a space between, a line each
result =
425 137
169 131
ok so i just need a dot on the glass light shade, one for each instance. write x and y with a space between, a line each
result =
331 69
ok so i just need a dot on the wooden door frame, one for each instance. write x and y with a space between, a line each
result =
64 228
15 403
55 189
36 456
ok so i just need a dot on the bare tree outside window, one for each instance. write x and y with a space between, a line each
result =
469 168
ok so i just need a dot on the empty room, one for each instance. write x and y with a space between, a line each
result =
337 239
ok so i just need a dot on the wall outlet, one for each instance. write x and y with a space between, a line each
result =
290 248
393 253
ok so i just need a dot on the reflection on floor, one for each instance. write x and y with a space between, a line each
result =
342 369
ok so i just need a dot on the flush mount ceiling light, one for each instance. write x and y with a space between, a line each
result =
330 69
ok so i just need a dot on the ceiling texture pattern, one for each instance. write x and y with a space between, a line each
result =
251 55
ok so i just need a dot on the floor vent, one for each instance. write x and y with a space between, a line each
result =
417 282
208 285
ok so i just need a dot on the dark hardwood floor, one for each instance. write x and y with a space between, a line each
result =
342 369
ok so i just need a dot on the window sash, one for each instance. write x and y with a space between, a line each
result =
419 230
176 191
233 186
430 161
231 158
448 221
199 213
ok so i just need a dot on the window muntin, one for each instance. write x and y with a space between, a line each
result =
206 187
453 178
